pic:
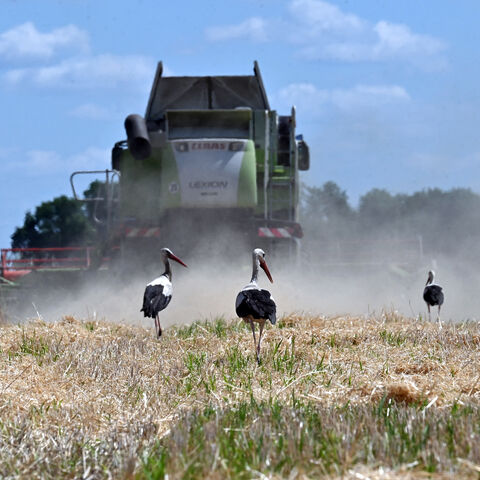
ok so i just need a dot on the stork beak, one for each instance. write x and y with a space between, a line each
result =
263 264
174 257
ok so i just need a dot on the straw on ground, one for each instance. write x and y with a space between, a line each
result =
334 396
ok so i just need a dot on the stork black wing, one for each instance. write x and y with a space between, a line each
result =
257 303
154 300
433 295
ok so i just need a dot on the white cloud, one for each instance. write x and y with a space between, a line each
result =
88 72
323 31
309 98
90 111
308 19
390 42
334 35
25 41
254 29
44 162
371 95
397 39
321 16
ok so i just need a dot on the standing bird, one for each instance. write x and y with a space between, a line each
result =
158 292
254 304
433 295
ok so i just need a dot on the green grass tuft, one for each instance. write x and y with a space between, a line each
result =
33 345
273 438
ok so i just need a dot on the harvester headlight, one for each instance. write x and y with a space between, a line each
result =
181 147
235 146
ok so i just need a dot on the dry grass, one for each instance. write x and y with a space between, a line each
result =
93 399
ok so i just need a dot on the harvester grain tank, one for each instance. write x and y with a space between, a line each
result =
209 159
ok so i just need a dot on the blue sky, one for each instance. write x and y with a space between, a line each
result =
386 91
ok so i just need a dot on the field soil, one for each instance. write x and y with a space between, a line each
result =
383 396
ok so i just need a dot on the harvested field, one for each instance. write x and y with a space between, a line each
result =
335 397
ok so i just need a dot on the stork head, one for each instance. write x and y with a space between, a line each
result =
167 253
431 276
259 255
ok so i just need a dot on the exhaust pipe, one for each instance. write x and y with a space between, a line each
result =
137 137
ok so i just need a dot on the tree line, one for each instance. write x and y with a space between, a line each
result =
61 222
448 222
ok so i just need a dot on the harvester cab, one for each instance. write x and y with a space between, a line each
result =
209 160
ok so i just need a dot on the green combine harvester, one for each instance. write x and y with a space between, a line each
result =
210 167
209 164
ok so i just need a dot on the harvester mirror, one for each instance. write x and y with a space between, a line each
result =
303 155
116 156
137 137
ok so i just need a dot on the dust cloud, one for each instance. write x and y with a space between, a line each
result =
348 265
308 283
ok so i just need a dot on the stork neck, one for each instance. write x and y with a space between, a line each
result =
168 271
256 264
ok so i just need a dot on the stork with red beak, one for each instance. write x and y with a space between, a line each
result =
158 292
255 305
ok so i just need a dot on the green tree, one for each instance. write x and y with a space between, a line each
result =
326 211
379 208
61 222
328 200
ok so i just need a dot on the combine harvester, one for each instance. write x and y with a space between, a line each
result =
209 164
210 160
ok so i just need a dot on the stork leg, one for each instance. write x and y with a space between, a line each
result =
262 324
158 328
252 325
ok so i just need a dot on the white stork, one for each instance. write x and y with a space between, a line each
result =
158 292
254 304
433 295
